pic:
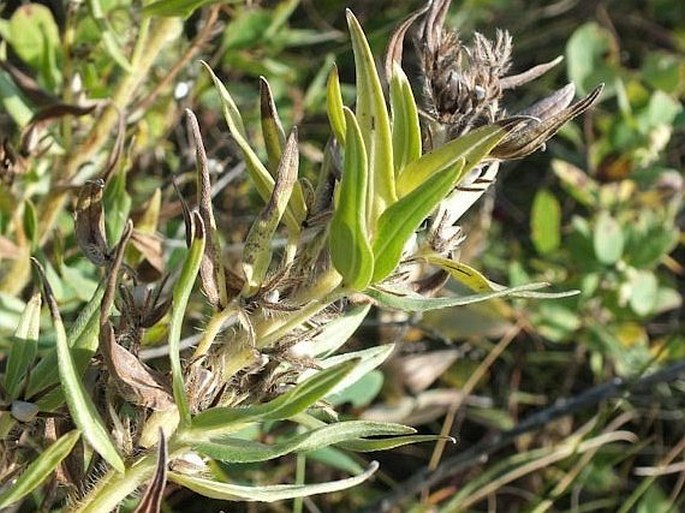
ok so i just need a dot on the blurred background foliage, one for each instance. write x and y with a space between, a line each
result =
599 211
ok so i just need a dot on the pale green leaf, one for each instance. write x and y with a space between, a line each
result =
40 469
374 122
334 334
608 239
461 272
545 222
411 302
334 102
181 294
284 406
349 239
406 129
472 147
109 38
232 492
236 450
262 179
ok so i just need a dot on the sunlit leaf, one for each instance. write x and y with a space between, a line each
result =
608 239
349 238
372 116
402 219
336 116
232 492
406 129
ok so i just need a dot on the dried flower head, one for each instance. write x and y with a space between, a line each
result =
464 85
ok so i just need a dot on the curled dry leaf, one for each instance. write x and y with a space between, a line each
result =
133 380
211 268
89 223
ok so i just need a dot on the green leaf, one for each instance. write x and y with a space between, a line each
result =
40 469
472 147
334 102
30 223
13 101
608 239
24 347
109 38
82 409
181 8
391 443
264 182
349 239
34 35
411 302
117 205
644 288
374 122
545 222
368 359
236 450
406 129
181 294
361 393
461 272
401 220
335 333
232 492
590 57
285 406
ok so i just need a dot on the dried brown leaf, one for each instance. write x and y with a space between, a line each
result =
89 223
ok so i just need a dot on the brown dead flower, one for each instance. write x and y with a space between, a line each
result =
464 85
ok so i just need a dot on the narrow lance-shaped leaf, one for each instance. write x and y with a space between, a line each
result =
81 407
374 122
349 237
409 301
263 181
472 147
398 222
237 450
212 267
181 294
40 469
24 347
257 251
334 102
232 492
406 129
